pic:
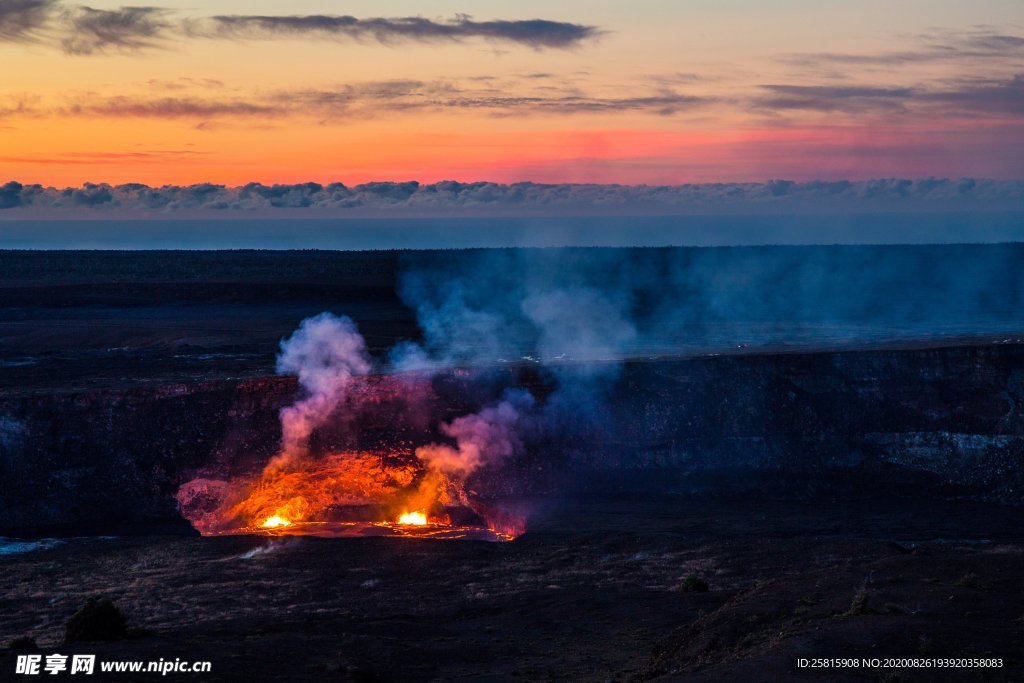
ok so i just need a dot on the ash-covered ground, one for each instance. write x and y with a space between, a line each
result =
841 473
597 590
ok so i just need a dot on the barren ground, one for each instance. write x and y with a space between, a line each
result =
591 593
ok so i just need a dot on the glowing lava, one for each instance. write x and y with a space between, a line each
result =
308 489
417 518
346 494
275 522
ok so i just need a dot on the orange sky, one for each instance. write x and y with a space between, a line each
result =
662 93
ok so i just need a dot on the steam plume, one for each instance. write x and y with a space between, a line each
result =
487 437
326 352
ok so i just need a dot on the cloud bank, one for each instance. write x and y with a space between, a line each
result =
82 30
536 33
23 20
366 99
980 96
88 31
973 97
450 197
981 43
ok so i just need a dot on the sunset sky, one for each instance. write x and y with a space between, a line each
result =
646 91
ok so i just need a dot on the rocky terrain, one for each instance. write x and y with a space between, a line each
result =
836 499
597 590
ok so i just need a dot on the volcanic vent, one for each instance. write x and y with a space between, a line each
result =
419 489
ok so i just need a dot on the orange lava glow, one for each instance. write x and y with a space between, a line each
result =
417 518
274 522
345 494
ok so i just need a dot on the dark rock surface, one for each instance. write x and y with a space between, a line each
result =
593 592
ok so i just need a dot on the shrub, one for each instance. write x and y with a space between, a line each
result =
99 619
693 584
24 643
859 606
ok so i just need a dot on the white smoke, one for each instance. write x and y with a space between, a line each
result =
326 352
581 323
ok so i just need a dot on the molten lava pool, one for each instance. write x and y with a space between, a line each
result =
433 530
347 495
414 524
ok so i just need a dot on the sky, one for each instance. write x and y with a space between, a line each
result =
640 92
